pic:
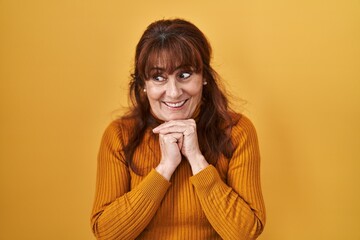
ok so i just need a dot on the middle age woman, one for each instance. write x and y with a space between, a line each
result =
180 164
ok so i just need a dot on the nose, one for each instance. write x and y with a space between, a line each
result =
173 88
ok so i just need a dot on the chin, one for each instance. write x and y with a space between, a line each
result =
175 117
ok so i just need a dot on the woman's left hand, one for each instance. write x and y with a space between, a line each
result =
190 146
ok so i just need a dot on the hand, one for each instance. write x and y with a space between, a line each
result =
170 145
189 145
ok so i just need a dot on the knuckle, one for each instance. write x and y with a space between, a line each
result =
193 123
167 138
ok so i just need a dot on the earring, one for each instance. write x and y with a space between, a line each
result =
204 83
144 90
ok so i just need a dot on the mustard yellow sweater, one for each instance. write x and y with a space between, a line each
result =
220 202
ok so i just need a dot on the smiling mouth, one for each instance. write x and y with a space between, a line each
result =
175 104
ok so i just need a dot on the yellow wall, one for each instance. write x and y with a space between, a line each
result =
64 68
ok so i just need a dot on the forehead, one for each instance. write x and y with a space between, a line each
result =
170 60
164 60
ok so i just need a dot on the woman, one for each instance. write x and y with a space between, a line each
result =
180 164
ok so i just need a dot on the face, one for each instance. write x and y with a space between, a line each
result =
174 96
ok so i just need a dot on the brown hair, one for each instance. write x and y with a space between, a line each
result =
179 42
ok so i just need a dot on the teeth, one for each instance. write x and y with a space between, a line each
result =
175 105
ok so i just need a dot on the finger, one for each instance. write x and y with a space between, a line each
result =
172 123
180 141
185 130
185 127
167 138
171 137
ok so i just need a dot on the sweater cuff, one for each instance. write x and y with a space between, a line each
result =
208 180
154 186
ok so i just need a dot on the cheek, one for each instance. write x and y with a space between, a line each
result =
154 93
196 90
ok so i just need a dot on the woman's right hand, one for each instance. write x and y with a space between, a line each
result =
170 146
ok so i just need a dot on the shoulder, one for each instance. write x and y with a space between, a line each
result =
242 127
119 128
122 123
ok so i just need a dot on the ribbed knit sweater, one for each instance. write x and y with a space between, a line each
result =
220 202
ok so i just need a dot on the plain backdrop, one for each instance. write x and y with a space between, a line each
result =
64 71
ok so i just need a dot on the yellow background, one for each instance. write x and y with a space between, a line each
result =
64 71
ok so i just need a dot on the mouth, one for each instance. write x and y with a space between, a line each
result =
175 104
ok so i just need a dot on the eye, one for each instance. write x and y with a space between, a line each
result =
158 78
184 75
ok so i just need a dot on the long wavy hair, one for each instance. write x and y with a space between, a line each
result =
178 42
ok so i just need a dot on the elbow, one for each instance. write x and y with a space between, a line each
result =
256 228
99 234
250 231
95 222
95 229
103 231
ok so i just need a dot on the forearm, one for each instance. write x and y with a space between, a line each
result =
229 214
129 214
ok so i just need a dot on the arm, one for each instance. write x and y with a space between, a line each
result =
235 209
118 212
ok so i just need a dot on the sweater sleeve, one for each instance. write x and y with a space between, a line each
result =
118 212
236 208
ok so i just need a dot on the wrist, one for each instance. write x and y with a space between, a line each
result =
165 171
198 164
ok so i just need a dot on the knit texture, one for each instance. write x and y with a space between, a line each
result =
220 202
